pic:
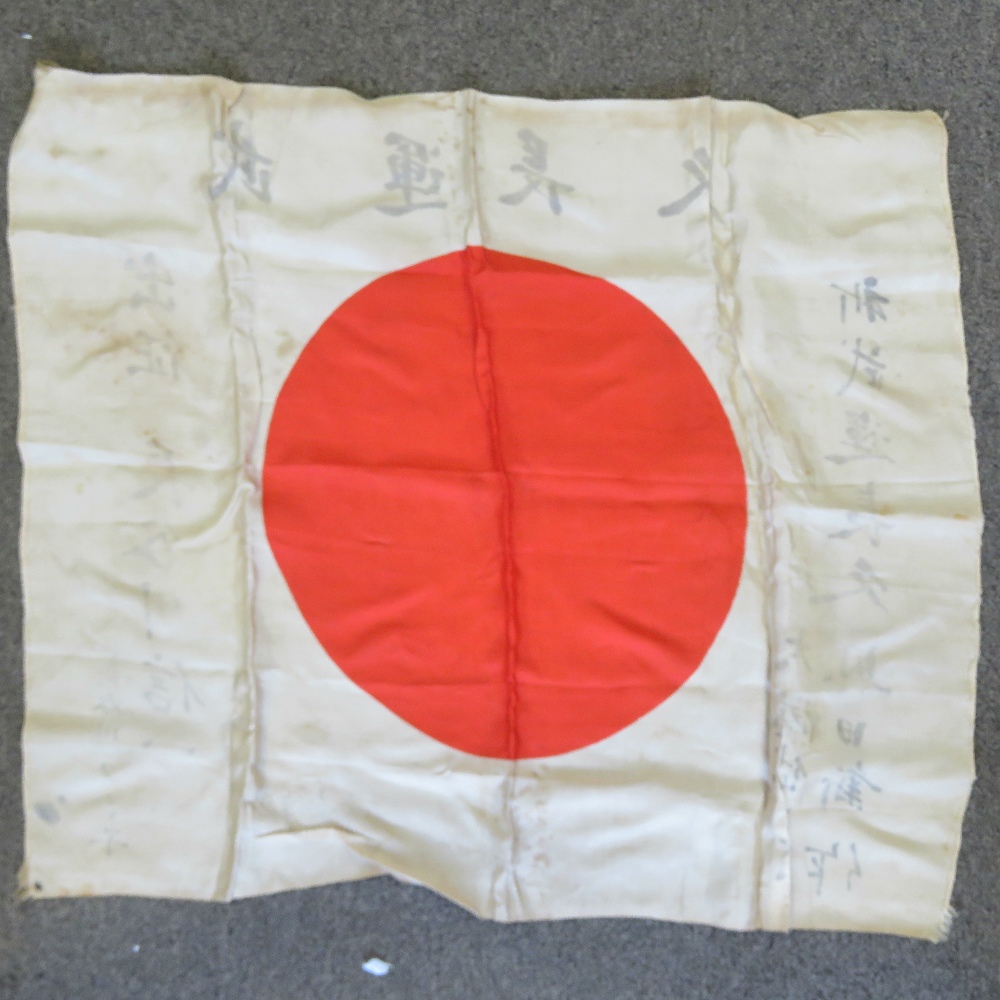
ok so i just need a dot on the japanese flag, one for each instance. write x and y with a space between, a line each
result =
568 506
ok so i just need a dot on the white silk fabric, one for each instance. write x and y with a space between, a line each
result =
176 241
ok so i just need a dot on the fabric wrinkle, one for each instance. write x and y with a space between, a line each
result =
235 279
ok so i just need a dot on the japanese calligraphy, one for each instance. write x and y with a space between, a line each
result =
791 770
155 347
865 298
817 858
855 871
412 175
168 686
864 522
850 733
157 353
242 161
153 279
699 167
859 671
533 166
848 787
823 864
867 363
867 580
863 439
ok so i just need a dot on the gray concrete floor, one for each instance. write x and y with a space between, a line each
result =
801 56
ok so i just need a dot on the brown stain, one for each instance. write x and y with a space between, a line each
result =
155 442
93 318
314 735
132 342
57 152
286 345
114 343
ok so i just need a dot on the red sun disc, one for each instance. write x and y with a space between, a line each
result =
507 502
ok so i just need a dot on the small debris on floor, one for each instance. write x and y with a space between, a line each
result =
376 966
